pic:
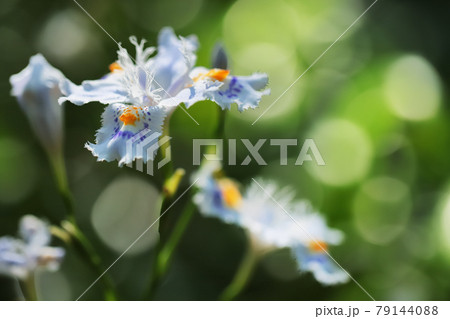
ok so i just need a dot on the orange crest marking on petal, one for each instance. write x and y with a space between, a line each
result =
230 193
114 67
318 246
130 116
215 74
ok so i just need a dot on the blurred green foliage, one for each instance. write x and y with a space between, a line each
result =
376 105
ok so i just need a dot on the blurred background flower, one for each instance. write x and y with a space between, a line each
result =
22 258
375 105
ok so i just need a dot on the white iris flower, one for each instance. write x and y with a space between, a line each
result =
301 229
140 92
21 257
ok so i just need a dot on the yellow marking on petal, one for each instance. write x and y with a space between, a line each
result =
114 67
230 193
130 116
215 74
318 246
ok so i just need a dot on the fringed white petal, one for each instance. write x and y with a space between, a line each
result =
128 133
245 91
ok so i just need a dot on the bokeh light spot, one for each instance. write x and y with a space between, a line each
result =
370 110
122 213
66 35
381 209
413 88
444 222
281 65
253 21
346 150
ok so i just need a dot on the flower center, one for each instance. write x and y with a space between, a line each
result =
318 246
130 116
215 74
230 193
114 67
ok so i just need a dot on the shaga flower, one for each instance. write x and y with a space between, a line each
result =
276 219
258 210
37 89
21 257
140 92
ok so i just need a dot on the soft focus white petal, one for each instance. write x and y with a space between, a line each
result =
127 133
210 203
206 172
37 89
325 270
34 231
329 275
264 218
315 228
49 258
13 260
19 258
210 196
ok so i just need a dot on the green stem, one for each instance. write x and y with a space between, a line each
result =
59 172
243 274
81 243
167 170
166 173
28 287
165 251
166 248
85 249
220 129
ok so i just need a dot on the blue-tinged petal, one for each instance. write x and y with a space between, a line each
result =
174 60
34 231
13 259
211 202
128 133
320 265
193 94
224 89
107 90
19 258
206 172
37 89
217 197
242 90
